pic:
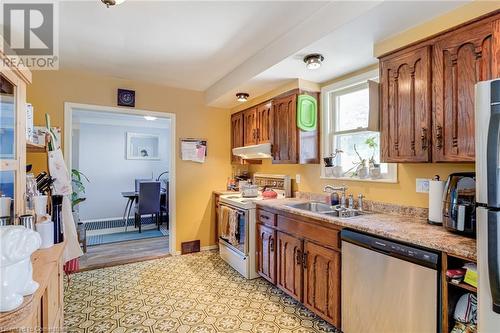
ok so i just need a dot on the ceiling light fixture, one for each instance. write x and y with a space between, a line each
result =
150 118
313 61
242 97
112 2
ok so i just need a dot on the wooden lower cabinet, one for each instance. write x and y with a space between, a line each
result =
306 266
266 254
289 258
322 281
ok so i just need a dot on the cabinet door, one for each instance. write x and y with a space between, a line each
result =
460 59
406 107
289 256
285 130
236 134
250 127
264 123
266 255
322 282
12 141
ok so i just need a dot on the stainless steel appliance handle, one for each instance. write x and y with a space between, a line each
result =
493 158
494 257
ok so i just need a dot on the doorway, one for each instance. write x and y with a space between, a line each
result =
117 155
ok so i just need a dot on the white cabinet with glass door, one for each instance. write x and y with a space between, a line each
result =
12 138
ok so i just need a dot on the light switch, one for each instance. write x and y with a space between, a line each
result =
297 178
422 185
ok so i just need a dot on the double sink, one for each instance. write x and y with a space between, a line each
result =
325 209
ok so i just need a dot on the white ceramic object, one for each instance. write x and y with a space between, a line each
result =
16 272
5 203
40 202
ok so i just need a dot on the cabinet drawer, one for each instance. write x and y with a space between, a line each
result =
314 232
266 218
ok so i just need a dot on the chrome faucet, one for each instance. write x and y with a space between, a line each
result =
342 188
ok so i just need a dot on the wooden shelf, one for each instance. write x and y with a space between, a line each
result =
464 286
35 148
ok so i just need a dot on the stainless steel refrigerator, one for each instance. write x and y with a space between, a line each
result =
487 129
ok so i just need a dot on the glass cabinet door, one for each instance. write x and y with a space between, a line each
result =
11 161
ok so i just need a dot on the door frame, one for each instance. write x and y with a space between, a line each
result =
69 107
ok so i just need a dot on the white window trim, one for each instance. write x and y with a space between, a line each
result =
327 122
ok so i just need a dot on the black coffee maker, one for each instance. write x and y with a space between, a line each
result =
459 203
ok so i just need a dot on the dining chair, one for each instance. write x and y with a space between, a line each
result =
148 202
164 203
139 180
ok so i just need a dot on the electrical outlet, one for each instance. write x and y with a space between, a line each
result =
297 178
422 185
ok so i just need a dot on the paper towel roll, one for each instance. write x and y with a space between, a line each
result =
436 189
46 231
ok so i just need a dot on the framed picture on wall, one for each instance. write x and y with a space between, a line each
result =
142 146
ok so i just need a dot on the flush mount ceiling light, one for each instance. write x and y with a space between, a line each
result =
313 61
112 2
242 97
150 118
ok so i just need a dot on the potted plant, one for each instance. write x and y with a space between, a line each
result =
77 182
335 170
374 167
360 167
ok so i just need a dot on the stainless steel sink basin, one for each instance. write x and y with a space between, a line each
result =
317 207
322 208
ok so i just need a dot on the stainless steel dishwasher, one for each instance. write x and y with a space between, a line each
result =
388 287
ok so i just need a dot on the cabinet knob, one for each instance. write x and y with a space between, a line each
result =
271 244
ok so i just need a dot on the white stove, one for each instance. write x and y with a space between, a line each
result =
237 223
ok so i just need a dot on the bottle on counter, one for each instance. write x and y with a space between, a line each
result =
57 218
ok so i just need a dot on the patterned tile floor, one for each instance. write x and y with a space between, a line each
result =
196 293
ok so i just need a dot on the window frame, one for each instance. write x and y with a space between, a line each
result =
329 119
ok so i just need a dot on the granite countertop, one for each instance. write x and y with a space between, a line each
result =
406 229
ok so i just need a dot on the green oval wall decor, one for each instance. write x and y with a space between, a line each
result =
307 113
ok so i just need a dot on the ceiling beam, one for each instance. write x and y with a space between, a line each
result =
321 23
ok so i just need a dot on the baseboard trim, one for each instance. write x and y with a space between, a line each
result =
202 249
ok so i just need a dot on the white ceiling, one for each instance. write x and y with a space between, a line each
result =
220 47
347 49
83 116
183 44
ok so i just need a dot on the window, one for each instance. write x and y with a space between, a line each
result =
351 131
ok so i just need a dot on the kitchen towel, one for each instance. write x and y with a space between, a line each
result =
436 189
62 186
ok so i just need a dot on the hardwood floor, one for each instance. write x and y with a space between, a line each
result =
113 254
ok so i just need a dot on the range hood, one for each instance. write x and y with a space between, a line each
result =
255 152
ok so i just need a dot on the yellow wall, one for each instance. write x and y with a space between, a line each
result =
195 182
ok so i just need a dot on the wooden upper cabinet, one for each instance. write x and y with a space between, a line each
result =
322 282
266 253
250 127
461 58
290 259
265 123
236 134
285 130
406 106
